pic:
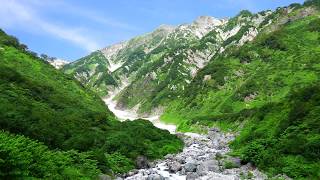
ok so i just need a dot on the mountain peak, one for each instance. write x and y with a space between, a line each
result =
166 27
208 20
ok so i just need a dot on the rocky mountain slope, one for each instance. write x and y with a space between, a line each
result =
159 65
57 63
254 73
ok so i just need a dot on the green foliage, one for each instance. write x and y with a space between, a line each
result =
44 104
237 36
245 13
315 3
229 165
292 142
92 72
314 25
119 163
268 90
21 157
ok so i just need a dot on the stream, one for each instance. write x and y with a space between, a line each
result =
204 157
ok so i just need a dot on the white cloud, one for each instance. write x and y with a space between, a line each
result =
16 13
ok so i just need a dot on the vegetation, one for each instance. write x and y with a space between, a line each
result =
267 90
23 157
92 71
64 118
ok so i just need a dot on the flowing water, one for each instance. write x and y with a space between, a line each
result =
196 161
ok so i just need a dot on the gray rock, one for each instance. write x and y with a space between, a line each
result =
142 162
174 166
192 176
169 156
213 133
219 155
105 177
190 167
181 159
155 177
214 129
133 172
236 161
210 165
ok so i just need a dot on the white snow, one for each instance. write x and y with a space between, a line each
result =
130 114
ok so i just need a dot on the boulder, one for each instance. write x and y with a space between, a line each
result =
181 159
174 166
169 156
236 161
208 166
190 167
213 133
142 162
192 176
105 177
155 177
219 155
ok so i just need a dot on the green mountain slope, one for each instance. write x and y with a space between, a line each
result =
256 74
44 104
25 158
268 89
158 66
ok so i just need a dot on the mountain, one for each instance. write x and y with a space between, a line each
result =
268 91
162 63
52 127
57 63
254 74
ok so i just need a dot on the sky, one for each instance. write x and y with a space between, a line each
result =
71 29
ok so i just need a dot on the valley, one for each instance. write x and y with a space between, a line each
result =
203 156
217 98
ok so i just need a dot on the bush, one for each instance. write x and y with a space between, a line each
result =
314 25
119 163
22 158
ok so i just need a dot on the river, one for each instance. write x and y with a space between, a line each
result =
202 158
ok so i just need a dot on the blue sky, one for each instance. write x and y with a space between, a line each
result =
70 29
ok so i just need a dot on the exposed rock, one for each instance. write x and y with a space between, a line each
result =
210 165
218 155
204 157
142 162
169 156
174 166
192 176
155 177
105 177
207 78
190 167
236 161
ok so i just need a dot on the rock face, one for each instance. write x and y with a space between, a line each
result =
203 158
57 63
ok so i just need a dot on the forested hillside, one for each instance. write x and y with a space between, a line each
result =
55 117
268 89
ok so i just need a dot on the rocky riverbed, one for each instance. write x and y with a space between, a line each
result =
204 157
